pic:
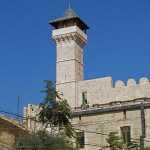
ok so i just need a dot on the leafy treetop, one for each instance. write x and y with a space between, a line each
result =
55 111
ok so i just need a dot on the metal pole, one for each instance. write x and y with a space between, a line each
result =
18 103
143 128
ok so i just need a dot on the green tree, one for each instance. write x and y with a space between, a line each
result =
115 143
55 113
132 145
41 140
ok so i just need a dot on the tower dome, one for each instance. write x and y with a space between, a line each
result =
69 16
69 13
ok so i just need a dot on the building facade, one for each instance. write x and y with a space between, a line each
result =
98 108
9 129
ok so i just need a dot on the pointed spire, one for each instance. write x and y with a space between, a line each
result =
69 4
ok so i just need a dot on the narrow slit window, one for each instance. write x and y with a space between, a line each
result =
79 117
124 114
84 98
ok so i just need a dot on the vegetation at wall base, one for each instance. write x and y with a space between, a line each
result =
42 140
55 114
115 143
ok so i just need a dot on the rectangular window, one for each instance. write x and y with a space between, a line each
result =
125 134
80 139
84 98
124 114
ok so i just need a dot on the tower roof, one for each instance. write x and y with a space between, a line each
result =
69 14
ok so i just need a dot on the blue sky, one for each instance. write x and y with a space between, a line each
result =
118 44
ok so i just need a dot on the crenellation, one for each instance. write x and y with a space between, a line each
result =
119 84
143 81
131 82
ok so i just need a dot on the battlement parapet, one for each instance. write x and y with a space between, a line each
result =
101 91
132 82
119 83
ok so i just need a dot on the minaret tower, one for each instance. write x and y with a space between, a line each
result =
70 41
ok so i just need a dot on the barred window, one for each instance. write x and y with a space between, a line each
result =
80 140
125 134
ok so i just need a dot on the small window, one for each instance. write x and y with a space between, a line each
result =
80 139
125 134
79 117
84 98
124 114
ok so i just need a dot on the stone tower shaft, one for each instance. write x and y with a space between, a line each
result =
70 40
69 65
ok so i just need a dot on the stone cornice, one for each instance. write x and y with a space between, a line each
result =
68 37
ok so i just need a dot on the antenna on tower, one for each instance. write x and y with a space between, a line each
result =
18 103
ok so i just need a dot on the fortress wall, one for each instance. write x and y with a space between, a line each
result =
100 91
92 87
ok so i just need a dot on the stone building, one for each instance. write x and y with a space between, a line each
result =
9 129
98 108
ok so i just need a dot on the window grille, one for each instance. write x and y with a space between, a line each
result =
125 134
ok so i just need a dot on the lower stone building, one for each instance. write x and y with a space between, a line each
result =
93 124
130 119
9 129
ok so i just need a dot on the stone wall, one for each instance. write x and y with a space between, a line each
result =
101 91
96 127
98 124
9 128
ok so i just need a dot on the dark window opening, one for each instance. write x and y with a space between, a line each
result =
80 140
79 117
84 98
124 114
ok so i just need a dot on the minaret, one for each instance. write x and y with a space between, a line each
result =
70 41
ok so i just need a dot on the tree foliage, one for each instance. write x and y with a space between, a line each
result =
132 145
41 141
55 113
115 143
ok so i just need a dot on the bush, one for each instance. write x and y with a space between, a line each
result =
42 141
